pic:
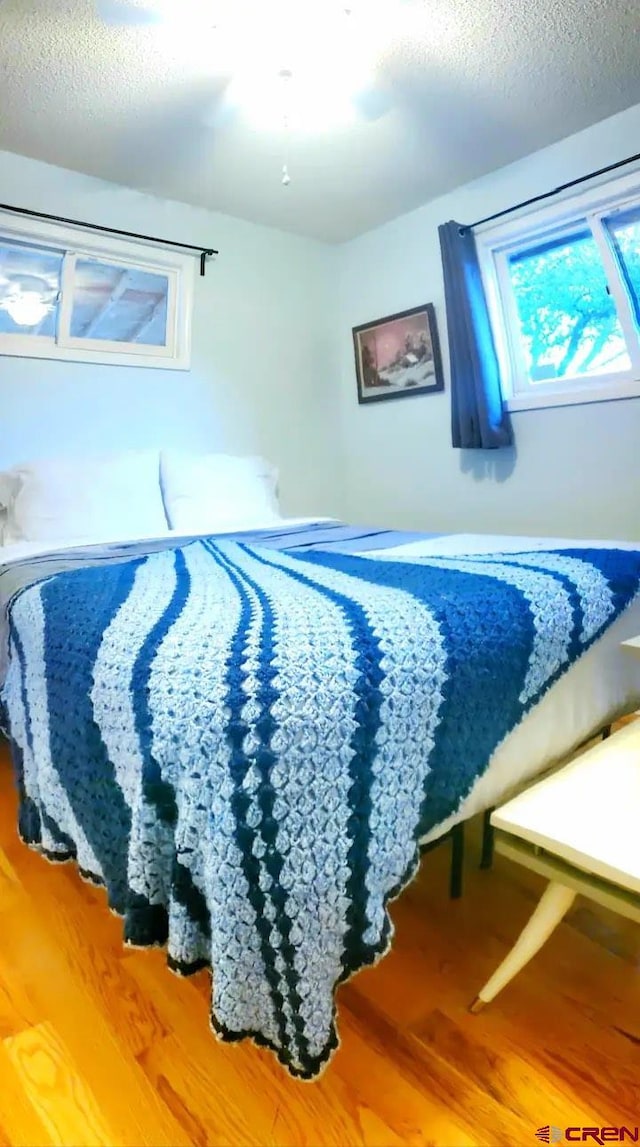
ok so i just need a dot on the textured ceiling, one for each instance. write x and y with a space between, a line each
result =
475 85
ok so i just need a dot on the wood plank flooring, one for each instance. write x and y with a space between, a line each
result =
103 1045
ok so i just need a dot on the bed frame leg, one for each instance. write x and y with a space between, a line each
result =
457 861
486 855
606 732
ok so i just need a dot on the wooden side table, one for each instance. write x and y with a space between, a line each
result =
580 828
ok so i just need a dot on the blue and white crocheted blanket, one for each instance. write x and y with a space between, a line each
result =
245 746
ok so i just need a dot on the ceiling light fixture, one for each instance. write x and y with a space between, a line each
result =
308 63
303 66
328 39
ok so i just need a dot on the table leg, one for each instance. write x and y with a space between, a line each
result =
486 859
554 903
457 861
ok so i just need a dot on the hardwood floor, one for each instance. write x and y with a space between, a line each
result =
103 1045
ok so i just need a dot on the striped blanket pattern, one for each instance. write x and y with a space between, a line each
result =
245 745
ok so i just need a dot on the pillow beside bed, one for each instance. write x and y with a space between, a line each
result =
9 486
208 492
61 499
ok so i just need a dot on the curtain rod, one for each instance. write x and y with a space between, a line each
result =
202 251
555 191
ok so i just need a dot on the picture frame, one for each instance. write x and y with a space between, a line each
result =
398 356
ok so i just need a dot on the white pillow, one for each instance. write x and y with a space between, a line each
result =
100 497
8 489
9 486
209 492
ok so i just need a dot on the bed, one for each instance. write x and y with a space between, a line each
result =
247 737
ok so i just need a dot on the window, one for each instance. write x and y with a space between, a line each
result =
563 287
84 298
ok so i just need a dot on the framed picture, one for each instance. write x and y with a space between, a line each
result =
398 356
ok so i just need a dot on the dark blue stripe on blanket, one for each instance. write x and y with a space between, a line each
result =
157 791
28 815
77 611
367 721
19 648
618 567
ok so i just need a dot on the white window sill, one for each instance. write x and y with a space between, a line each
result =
25 346
573 396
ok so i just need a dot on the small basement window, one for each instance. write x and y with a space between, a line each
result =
563 286
98 300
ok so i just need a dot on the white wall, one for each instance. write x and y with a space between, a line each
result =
273 368
574 470
262 351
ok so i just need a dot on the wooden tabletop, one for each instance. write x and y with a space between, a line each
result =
587 813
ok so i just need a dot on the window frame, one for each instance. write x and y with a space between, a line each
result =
178 268
496 242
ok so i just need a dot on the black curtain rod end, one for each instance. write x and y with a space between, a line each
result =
203 261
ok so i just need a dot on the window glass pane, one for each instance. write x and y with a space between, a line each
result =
119 304
568 322
29 289
624 230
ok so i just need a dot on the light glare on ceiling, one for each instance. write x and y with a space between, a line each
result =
328 48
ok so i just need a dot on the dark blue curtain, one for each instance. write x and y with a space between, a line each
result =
478 417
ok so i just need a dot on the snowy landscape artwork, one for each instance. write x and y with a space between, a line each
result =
398 355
